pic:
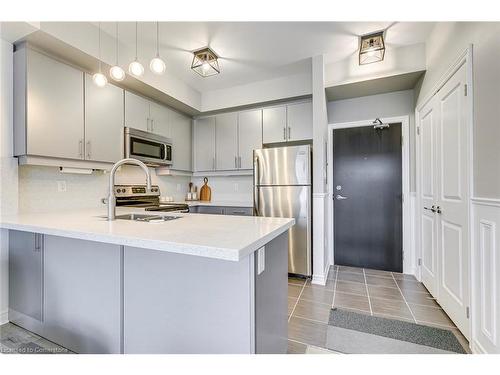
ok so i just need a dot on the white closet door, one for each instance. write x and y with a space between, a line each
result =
429 118
453 231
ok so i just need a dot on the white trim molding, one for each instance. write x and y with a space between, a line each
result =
4 317
409 258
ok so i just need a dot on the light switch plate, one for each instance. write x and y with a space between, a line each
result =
261 260
61 186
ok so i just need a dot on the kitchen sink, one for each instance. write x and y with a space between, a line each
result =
147 218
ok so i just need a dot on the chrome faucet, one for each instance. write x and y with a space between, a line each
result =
111 195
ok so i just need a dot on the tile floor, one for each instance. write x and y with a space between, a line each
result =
380 293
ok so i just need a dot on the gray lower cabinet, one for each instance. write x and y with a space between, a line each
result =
83 295
26 274
222 210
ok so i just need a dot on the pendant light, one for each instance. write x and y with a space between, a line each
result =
157 65
100 79
116 72
135 68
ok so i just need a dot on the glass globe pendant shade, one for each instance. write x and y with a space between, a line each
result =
117 73
100 79
157 65
135 68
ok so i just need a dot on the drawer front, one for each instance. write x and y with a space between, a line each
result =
239 211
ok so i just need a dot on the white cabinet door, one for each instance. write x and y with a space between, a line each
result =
204 144
160 118
226 141
274 124
103 122
181 142
136 112
249 136
299 119
55 108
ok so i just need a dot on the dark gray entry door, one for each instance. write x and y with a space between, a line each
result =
367 187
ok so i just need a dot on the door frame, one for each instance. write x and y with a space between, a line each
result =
464 58
408 250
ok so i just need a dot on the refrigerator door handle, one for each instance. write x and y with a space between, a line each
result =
255 184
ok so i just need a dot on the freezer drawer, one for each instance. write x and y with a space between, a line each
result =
293 202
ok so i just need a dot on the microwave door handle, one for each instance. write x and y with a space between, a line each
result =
164 152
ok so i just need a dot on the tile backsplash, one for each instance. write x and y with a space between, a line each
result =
38 187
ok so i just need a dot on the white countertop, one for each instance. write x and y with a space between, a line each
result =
214 236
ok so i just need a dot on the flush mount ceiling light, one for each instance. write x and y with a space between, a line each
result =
205 62
116 72
135 68
100 79
371 48
157 65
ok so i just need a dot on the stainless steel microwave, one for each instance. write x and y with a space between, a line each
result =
152 149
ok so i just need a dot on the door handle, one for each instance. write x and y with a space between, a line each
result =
340 197
433 209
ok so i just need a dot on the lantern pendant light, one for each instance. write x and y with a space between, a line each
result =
100 79
135 68
116 72
157 65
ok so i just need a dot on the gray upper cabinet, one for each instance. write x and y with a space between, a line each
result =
292 122
181 133
48 106
160 119
274 124
299 118
26 273
103 122
136 112
249 136
204 144
226 141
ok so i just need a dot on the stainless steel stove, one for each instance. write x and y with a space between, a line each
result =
138 196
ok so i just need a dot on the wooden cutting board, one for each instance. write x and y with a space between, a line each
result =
205 191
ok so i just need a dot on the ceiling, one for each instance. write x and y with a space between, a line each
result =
254 51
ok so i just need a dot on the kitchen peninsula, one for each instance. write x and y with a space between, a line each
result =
195 284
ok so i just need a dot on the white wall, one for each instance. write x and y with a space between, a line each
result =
396 61
8 167
444 45
400 103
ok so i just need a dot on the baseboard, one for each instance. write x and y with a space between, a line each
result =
4 317
321 279
476 348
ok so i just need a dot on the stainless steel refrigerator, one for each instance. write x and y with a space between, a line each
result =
282 188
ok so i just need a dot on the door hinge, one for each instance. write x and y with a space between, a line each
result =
467 312
465 90
418 130
419 261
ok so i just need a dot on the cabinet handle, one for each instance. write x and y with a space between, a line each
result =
239 161
80 148
147 124
152 125
235 162
213 164
289 132
87 147
284 133
38 242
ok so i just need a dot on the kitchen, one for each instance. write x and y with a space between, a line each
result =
147 165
